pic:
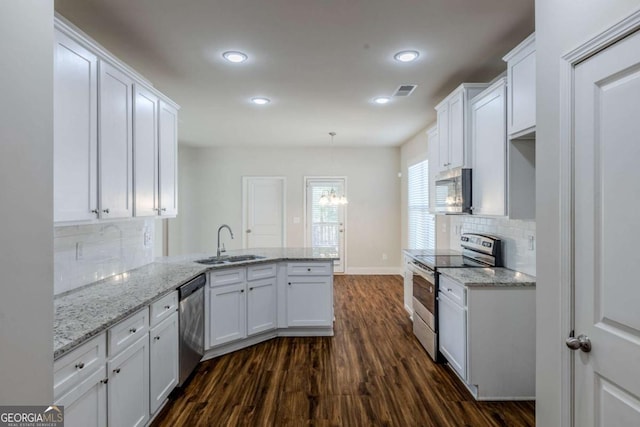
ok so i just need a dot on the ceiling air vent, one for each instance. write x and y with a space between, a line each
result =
405 90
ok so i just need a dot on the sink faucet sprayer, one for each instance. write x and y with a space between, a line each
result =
223 248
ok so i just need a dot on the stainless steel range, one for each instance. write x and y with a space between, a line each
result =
478 250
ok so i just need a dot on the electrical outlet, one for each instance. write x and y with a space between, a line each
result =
79 251
532 242
147 238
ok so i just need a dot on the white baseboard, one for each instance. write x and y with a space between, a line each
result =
374 270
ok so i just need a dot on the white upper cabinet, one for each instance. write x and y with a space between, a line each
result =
489 148
521 73
115 143
75 138
109 123
453 127
145 154
155 155
168 152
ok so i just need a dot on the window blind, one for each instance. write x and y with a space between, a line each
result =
421 224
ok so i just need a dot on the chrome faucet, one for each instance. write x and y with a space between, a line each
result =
220 229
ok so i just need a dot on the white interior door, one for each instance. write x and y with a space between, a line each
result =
264 212
326 226
606 205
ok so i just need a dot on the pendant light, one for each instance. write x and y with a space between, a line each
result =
331 198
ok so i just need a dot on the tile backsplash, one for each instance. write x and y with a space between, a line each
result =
86 253
519 238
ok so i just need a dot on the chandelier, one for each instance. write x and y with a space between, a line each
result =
331 198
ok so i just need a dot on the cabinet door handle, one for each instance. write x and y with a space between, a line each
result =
95 211
163 209
116 371
241 290
250 289
308 269
156 338
105 211
80 365
167 307
133 330
289 283
104 381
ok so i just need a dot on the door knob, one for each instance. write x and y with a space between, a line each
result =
582 342
249 231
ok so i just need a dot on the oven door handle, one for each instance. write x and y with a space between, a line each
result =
427 275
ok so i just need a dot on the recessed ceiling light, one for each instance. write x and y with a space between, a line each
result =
260 100
406 56
234 56
381 99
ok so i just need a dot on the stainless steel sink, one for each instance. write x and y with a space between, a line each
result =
228 259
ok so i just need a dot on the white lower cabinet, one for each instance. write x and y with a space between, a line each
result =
131 382
241 303
453 333
163 361
86 404
487 334
227 319
249 303
309 301
128 391
261 305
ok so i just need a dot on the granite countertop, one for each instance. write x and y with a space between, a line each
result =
489 277
85 312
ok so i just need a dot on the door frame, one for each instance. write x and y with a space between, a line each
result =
304 212
568 62
283 183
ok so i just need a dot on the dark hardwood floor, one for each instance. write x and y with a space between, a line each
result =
372 372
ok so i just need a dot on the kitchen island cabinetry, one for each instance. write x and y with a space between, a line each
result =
487 331
227 312
309 294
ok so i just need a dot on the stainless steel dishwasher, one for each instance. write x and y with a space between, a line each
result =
191 326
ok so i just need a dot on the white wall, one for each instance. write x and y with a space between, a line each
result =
26 191
561 25
211 194
86 253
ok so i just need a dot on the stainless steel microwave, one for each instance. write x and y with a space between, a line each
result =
453 192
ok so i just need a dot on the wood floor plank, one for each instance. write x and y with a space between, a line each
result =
373 372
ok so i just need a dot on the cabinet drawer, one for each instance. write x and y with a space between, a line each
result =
128 331
163 308
263 271
226 277
309 269
71 369
454 290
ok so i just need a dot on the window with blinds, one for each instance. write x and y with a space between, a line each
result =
422 225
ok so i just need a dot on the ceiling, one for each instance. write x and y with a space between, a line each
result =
321 62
